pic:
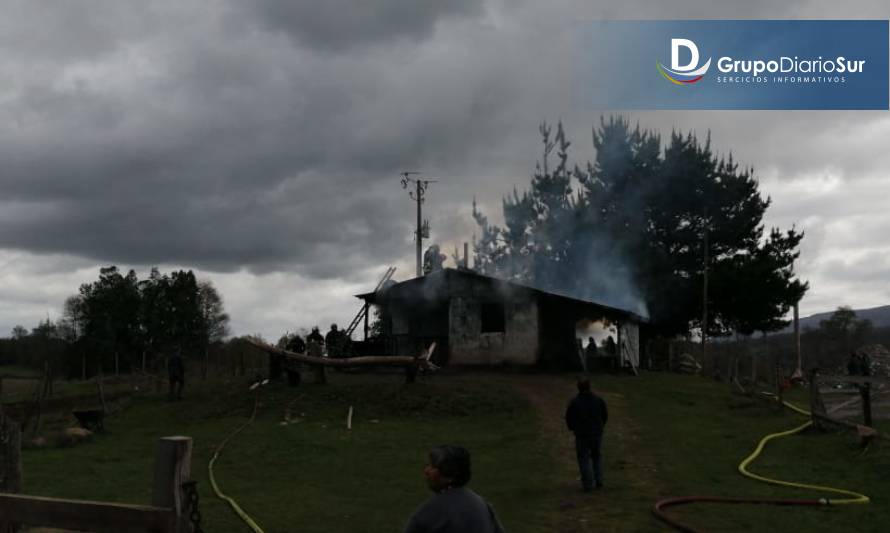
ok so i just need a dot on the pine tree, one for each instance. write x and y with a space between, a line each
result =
637 228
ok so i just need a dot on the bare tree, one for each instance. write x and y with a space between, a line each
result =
215 321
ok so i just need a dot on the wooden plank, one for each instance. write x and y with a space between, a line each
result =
854 379
83 515
846 413
847 389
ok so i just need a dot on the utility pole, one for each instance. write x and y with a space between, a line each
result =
799 371
423 226
704 319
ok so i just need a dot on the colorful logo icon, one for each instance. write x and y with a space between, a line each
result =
683 74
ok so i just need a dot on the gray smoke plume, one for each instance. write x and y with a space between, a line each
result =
552 242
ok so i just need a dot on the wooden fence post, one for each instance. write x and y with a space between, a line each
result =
780 378
10 463
865 391
101 388
670 363
817 406
38 402
173 465
753 368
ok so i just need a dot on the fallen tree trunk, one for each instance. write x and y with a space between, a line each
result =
421 361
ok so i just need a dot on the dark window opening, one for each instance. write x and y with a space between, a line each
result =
493 317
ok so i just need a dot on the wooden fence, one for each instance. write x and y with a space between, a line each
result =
168 513
849 400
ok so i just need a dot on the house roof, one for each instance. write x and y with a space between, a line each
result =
439 279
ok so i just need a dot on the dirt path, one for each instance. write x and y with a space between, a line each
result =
631 484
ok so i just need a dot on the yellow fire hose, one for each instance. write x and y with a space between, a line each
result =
852 497
232 503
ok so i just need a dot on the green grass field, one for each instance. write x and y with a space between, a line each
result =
313 474
699 433
669 436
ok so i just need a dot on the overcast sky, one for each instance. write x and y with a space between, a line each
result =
260 144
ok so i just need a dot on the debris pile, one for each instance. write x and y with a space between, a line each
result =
879 357
687 364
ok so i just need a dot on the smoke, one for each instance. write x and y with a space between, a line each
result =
600 273
608 278
573 231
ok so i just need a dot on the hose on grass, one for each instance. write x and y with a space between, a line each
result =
851 497
658 510
232 503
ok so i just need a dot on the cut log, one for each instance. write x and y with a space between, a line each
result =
422 361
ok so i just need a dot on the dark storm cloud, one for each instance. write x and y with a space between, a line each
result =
341 25
58 32
321 234
269 136
204 146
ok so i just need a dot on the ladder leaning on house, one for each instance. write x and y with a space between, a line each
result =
364 309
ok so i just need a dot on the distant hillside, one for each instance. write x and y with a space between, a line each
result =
879 316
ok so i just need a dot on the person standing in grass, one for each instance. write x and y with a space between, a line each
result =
590 354
586 417
454 508
176 374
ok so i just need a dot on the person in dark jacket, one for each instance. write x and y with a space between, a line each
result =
454 508
590 355
176 374
332 341
586 417
854 364
315 336
296 344
293 368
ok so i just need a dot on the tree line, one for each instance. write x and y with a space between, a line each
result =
841 334
641 226
120 323
826 346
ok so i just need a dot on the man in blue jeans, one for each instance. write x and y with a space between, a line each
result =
586 417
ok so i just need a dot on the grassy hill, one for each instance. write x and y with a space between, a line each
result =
668 435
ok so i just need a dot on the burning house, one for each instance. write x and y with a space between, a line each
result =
480 320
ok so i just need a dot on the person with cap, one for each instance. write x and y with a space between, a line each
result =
454 508
586 417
